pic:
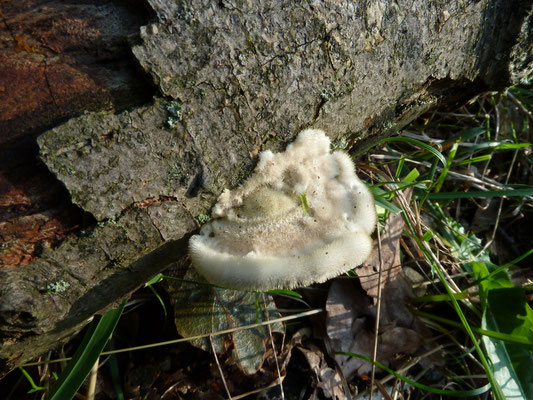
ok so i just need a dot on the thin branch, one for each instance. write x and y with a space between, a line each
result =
219 367
378 313
186 339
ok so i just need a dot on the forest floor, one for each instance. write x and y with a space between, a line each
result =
448 290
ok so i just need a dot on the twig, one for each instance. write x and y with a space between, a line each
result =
91 389
219 367
241 396
378 312
519 105
403 369
186 339
500 206
273 348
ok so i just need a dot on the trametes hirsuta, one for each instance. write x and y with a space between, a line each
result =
302 217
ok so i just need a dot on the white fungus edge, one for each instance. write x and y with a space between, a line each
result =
341 253
260 272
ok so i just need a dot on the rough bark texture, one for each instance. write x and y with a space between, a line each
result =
58 59
234 79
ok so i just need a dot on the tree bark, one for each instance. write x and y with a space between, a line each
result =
233 79
58 59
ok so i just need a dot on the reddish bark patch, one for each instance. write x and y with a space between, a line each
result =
58 59
35 212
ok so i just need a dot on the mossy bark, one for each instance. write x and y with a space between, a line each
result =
235 78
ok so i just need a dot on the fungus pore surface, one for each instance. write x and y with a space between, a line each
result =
302 217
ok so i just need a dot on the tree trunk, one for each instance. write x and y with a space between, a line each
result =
232 79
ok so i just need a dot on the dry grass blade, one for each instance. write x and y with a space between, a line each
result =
275 352
219 367
378 314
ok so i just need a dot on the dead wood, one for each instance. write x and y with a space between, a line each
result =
232 78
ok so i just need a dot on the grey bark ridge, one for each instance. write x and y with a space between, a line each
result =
109 162
236 78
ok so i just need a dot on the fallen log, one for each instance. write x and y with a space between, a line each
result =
233 79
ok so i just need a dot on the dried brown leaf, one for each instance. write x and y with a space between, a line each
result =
350 324
390 254
327 378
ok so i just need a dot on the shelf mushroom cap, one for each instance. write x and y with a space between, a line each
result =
302 217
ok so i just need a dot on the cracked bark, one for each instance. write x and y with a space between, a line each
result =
234 79
58 59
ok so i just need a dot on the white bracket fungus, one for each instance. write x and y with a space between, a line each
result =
302 217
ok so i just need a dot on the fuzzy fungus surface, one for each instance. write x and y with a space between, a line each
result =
302 217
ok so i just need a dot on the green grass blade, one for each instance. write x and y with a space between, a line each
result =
411 176
506 311
428 235
379 194
498 394
286 292
482 194
454 393
444 173
305 205
467 134
510 264
387 205
34 386
88 352
409 140
400 185
434 262
512 362
430 180
399 168
115 376
438 297
158 297
493 146
156 279
508 146
485 157
519 340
